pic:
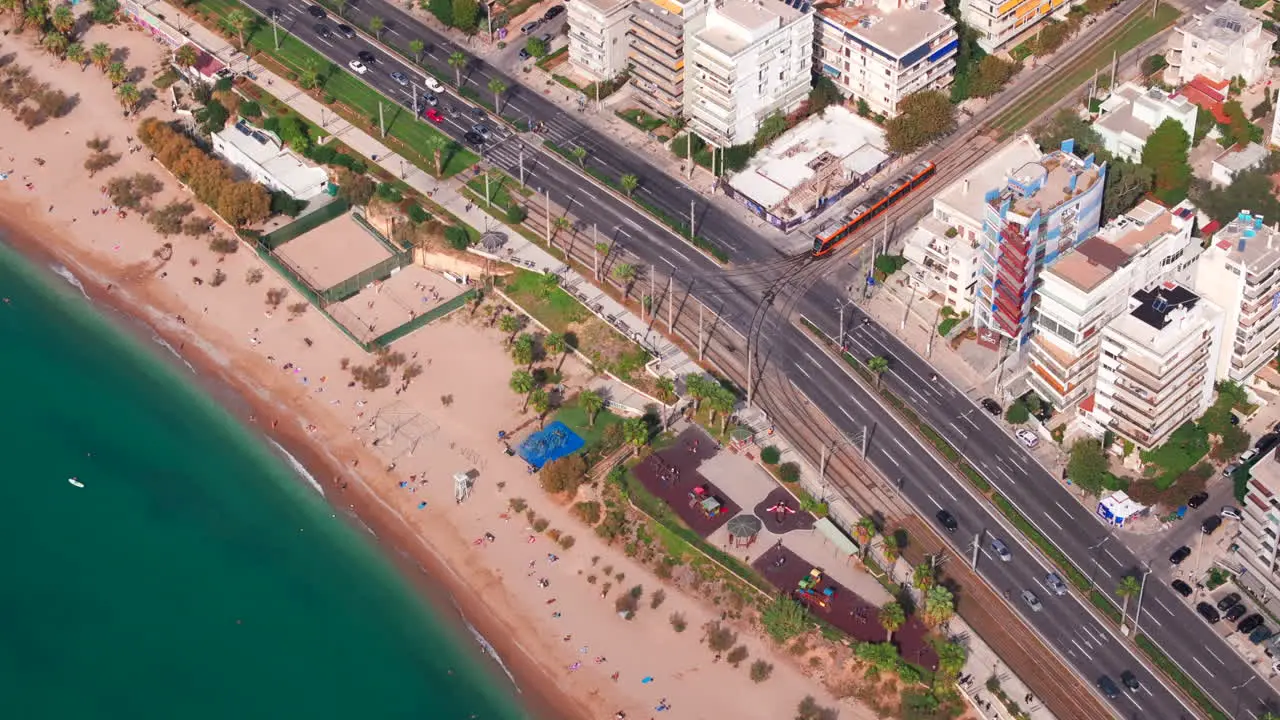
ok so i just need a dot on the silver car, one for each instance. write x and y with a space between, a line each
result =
1031 600
1054 582
1001 550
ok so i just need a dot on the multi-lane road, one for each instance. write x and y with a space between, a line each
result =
755 297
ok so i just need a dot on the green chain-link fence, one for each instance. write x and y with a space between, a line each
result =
310 221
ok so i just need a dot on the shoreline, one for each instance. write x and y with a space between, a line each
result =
417 563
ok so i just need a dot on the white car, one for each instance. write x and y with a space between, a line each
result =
433 85
1027 437
357 67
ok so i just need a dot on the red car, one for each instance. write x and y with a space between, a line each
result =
434 115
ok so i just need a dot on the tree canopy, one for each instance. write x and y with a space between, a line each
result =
922 118
990 76
1252 190
1166 155
1087 466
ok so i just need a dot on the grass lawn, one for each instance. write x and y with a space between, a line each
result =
554 308
417 140
576 418
501 185
641 119
1123 39
1184 448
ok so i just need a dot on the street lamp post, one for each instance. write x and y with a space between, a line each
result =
1137 617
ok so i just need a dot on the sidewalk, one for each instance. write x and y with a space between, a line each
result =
669 358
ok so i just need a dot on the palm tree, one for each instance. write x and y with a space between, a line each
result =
522 350
77 54
116 73
187 56
522 383
377 25
939 606
497 87
309 74
625 273
509 324
35 13
600 248
721 402
100 55
630 183
922 576
865 530
697 387
417 47
892 617
62 19
7 6
889 544
555 344
1128 587
128 95
541 402
878 365
636 431
240 22
666 389
580 154
55 44
675 122
560 223
457 61
592 403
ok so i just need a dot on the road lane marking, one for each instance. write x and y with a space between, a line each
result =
665 260
1147 690
1113 557
1162 605
806 372
890 457
971 422
1002 472
1055 522
935 502
855 402
846 414
899 444
1135 702
1152 619
1073 642
1215 657
947 490
1064 510
1099 566
1197 660
957 427
816 363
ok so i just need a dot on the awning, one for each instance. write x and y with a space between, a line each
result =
836 536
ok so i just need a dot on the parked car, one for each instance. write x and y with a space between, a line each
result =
1181 588
1228 600
991 406
357 67
1130 681
1032 601
315 11
322 31
1027 437
947 521
524 54
546 40
1230 469
1248 624
1055 584
1197 500
346 31
1208 612
433 85
1001 550
367 57
529 27
400 78
1230 511
1210 525
553 12
1179 555
1236 612
434 116
1262 632
1247 456
1108 687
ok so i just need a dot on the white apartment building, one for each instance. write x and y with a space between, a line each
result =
999 21
1222 44
598 41
881 51
1129 115
942 251
1156 368
657 52
1240 273
1260 528
1091 285
1235 160
750 59
267 161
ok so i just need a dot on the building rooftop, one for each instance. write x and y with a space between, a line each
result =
1226 24
967 196
604 7
1130 109
1157 306
1249 241
1158 318
895 28
1238 159
789 162
1096 259
264 148
733 25
1046 183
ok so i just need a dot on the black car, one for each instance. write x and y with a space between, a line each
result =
478 112
525 54
473 139
323 31
991 406
1179 555
948 521
1228 601
1108 687
552 13
346 31
1210 524
366 57
1197 500
315 11
1181 588
1249 624
274 14
1236 612
1130 681
1208 612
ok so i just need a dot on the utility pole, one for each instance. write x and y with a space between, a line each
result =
977 545
928 350
275 30
1137 618
692 219
520 148
597 97
671 303
489 17
866 436
487 200
653 270
688 149
595 245
547 195
907 312
417 115
750 368
701 307
1115 67
382 124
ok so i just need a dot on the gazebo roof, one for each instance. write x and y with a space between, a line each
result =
744 525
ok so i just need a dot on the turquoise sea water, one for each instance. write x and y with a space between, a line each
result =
194 576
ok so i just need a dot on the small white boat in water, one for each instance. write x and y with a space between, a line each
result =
75 482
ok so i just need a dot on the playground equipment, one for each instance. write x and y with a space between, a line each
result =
810 590
743 529
780 511
702 499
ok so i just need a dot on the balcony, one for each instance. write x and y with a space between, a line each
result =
644 55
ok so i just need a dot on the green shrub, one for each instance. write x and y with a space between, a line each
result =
250 109
1017 414
516 214
418 215
789 472
770 455
457 237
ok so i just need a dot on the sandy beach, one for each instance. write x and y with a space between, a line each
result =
386 456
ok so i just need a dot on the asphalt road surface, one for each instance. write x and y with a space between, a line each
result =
737 292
